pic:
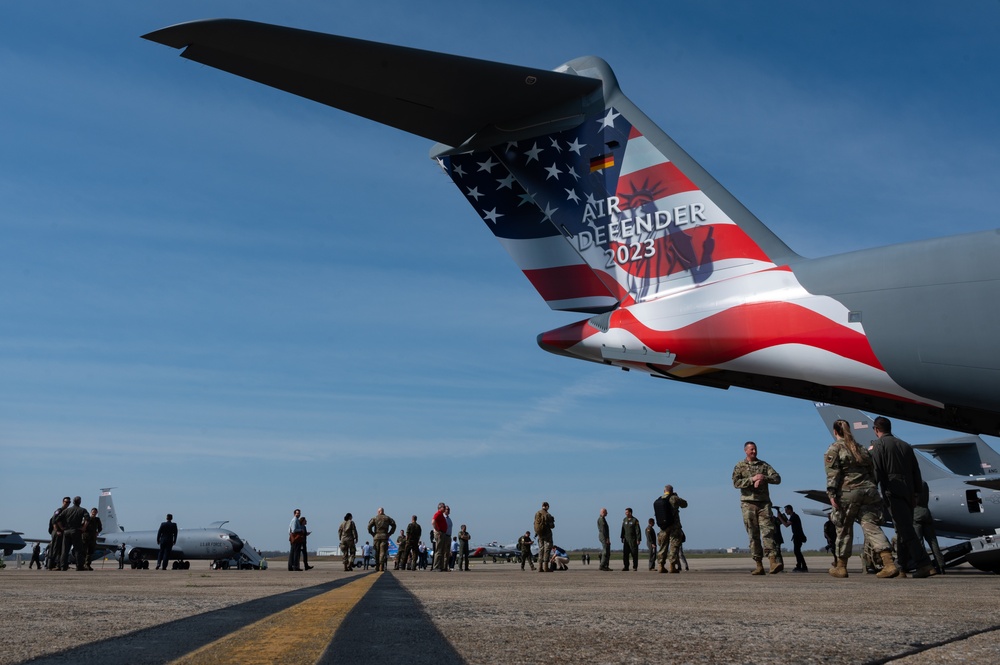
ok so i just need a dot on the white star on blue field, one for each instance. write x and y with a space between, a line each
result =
228 302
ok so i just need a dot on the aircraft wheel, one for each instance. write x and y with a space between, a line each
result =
187 565
145 564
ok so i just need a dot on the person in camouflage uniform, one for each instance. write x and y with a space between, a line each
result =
752 477
850 484
412 553
400 551
524 544
631 537
381 527
348 534
544 523
670 539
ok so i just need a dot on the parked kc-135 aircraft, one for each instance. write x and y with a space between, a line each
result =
606 215
211 543
964 500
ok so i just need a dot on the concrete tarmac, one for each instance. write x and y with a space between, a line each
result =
715 613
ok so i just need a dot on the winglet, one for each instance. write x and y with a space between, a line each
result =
445 98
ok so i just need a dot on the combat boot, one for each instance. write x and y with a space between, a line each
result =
776 566
759 570
840 570
675 567
889 568
662 568
925 571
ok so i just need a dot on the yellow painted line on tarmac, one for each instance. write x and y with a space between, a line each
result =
299 634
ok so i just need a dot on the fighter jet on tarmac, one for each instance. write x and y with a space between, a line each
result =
606 215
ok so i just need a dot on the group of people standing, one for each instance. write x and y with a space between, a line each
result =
71 528
664 547
853 479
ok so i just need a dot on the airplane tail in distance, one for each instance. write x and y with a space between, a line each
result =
106 511
609 210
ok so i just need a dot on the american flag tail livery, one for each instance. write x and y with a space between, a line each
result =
607 216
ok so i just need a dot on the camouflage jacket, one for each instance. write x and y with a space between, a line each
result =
743 473
381 527
544 523
348 531
413 532
676 503
844 473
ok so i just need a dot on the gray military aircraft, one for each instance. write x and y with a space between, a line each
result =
211 543
964 499
606 215
498 551
11 541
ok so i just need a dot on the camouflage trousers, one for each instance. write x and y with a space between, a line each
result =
865 507
381 547
760 528
668 543
348 547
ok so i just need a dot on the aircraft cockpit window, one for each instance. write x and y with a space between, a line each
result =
973 501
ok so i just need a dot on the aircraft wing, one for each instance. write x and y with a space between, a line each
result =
990 484
441 97
815 495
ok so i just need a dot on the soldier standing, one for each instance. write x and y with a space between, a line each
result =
899 477
71 523
381 527
54 553
752 477
604 537
671 536
413 532
463 548
850 485
544 523
524 544
400 551
94 528
631 537
36 559
651 543
348 534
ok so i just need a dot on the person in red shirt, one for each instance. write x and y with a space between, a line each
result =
441 545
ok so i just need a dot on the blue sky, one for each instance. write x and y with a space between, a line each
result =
228 302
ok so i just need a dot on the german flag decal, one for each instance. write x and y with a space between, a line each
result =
603 162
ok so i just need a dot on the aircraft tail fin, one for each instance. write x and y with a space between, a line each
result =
594 202
106 511
965 455
862 425
634 208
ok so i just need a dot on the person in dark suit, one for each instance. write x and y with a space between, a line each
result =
793 520
166 538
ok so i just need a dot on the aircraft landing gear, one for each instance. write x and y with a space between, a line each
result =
180 565
137 561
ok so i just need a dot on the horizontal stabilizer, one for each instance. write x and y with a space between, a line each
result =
990 484
441 97
964 455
